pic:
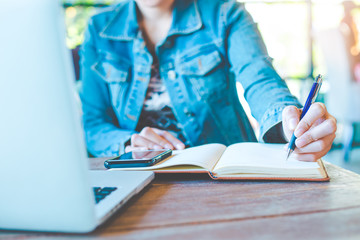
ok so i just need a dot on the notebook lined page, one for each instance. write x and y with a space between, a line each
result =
261 156
204 156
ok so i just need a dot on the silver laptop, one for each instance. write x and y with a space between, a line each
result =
45 183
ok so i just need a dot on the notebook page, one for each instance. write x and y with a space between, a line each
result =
204 156
262 156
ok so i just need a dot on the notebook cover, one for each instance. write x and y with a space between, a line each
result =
251 178
322 168
326 179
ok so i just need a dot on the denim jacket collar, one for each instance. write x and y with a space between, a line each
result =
186 19
124 25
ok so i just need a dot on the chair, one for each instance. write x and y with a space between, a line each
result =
343 97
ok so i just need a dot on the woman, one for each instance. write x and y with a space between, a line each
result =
161 74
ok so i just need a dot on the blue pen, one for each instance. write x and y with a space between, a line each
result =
311 98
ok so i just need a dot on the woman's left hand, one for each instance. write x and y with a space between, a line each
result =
315 132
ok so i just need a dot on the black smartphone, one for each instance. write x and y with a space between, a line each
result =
138 158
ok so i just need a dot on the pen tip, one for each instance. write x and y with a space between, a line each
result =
288 154
318 79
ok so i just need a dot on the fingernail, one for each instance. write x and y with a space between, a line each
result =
168 146
157 147
292 124
300 142
180 146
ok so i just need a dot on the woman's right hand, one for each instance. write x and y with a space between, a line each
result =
153 138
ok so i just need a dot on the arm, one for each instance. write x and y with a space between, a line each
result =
103 136
264 90
268 96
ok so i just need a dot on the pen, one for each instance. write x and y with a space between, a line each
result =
311 98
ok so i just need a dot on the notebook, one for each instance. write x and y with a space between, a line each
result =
240 161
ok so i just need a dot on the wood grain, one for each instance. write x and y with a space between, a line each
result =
172 202
186 206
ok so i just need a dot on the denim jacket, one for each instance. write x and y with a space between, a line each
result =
210 46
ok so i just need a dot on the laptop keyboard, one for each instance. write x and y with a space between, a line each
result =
101 193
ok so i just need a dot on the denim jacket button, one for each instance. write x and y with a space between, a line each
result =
188 112
172 75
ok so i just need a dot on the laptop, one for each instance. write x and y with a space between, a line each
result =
44 178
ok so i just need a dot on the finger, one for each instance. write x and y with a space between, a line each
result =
150 134
310 157
140 141
286 146
179 145
290 117
317 146
328 127
319 121
315 112
131 149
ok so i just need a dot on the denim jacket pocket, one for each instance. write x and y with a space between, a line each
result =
205 73
201 65
115 72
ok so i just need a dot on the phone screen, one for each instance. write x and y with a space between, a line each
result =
138 158
140 155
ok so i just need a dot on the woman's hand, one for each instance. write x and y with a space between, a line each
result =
315 132
153 138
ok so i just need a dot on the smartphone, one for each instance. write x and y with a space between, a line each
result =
138 158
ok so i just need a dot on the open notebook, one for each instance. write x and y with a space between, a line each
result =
240 161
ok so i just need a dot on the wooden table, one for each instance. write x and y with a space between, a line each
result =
194 206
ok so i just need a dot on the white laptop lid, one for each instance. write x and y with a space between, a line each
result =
41 143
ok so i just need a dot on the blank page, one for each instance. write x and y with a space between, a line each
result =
260 156
204 156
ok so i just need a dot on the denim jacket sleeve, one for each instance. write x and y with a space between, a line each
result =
102 133
264 90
